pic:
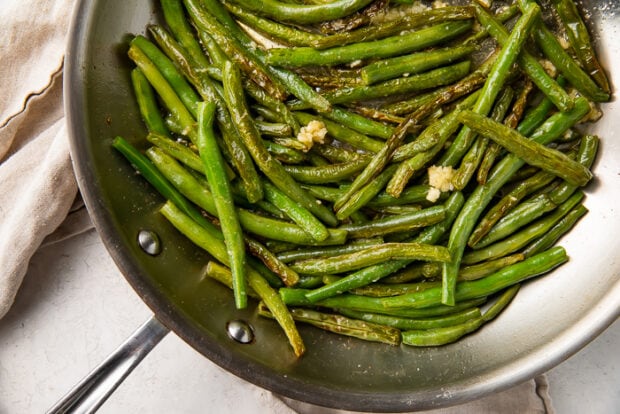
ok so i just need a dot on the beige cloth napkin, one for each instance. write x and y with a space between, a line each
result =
39 201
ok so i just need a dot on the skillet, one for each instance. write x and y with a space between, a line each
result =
550 319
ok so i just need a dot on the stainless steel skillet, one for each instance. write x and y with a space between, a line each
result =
551 318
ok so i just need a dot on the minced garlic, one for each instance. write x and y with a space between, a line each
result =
440 180
315 131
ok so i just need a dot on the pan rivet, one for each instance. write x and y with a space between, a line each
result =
149 242
240 331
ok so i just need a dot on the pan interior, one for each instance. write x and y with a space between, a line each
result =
550 319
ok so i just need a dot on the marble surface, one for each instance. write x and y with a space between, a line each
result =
75 308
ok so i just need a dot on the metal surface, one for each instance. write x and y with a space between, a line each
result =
550 319
88 395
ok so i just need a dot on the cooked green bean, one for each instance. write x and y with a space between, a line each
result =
409 323
533 153
174 16
472 159
223 275
560 58
253 223
533 266
393 224
446 335
528 63
387 47
359 123
507 203
147 103
237 153
406 84
297 213
331 173
498 75
523 237
280 32
285 273
370 256
407 22
558 230
550 130
579 38
223 200
303 13
251 138
342 325
251 66
413 63
217 249
168 95
314 252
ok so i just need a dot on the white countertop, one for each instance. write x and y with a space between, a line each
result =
68 317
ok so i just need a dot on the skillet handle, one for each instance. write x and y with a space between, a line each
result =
90 393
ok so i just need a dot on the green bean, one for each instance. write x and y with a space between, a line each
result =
558 230
362 259
168 95
512 120
293 82
528 63
147 103
217 249
253 223
554 51
251 66
472 159
285 273
237 153
444 94
315 252
393 224
222 197
502 16
378 161
342 325
530 151
359 123
297 213
521 215
440 336
282 33
387 47
159 181
174 16
336 153
428 145
533 266
184 91
297 297
409 324
407 22
223 275
413 63
496 79
342 133
273 129
407 84
585 156
411 194
381 290
523 237
303 13
579 38
446 335
507 203
271 167
331 173
550 130
370 256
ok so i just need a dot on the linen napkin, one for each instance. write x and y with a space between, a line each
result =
39 200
